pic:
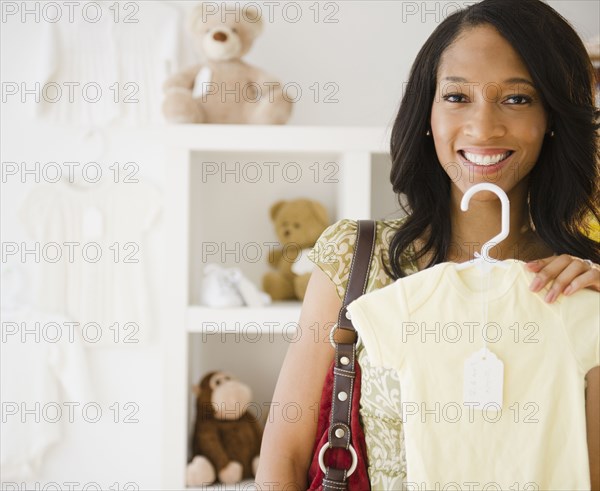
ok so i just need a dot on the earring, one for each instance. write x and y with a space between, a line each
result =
428 132
552 134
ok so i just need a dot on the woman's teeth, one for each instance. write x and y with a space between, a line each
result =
479 159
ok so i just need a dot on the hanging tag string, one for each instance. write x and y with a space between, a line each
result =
484 306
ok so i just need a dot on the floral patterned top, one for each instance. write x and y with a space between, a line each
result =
380 393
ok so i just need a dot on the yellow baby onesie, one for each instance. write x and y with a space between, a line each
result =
428 324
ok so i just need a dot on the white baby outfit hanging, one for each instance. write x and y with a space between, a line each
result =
127 53
103 277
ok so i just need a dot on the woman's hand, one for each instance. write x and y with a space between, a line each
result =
569 273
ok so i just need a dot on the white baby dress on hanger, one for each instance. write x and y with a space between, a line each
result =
102 274
128 53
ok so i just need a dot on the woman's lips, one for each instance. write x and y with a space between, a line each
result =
482 167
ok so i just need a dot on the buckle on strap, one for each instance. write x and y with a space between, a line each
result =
332 333
352 453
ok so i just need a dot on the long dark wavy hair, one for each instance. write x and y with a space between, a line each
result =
564 185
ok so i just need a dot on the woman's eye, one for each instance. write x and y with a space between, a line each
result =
454 98
518 100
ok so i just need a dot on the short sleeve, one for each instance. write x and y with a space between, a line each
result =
374 316
581 317
333 252
334 249
362 323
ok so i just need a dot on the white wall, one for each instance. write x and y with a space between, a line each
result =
366 55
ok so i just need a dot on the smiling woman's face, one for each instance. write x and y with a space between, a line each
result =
487 119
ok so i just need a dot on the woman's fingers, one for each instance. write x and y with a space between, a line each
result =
590 279
547 269
574 272
567 274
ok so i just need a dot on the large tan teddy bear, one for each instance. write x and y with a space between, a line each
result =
298 225
225 89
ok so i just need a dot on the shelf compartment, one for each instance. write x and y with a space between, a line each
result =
229 211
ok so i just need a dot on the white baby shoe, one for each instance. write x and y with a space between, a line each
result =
228 287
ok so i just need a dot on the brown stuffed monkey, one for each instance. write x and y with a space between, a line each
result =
226 439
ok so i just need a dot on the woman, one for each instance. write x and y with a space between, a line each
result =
501 92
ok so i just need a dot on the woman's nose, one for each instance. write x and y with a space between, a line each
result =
485 122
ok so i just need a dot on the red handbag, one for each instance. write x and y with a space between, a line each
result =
340 456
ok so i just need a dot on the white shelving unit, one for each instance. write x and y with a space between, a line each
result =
221 182
209 320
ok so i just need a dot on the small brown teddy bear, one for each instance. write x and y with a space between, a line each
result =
298 224
225 89
226 439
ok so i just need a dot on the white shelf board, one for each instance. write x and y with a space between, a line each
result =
274 318
246 485
277 138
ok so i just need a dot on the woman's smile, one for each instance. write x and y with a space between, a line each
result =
485 159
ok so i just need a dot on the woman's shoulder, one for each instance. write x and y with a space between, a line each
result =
334 249
337 241
344 230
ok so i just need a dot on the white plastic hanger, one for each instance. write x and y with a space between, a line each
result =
483 261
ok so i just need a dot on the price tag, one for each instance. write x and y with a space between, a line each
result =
93 223
483 380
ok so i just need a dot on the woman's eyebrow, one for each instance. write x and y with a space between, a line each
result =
511 81
519 80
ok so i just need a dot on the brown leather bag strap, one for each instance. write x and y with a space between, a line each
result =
344 367
359 269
